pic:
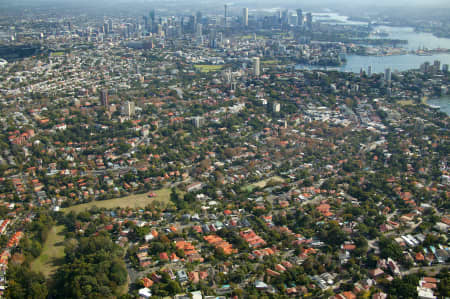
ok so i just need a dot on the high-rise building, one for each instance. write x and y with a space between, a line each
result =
256 66
309 20
285 17
192 23
105 28
276 107
225 15
437 65
152 16
104 97
445 68
199 16
110 25
245 17
278 16
299 17
388 75
199 30
198 121
369 71
212 39
128 108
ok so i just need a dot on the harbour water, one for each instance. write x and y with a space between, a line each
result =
379 63
443 103
416 40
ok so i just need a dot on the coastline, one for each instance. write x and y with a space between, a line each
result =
442 103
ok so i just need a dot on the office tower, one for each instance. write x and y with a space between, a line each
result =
212 39
387 75
225 14
198 121
145 22
245 17
437 65
256 66
104 97
199 16
276 107
152 16
284 17
159 30
369 71
128 108
445 68
389 92
110 25
199 30
192 23
425 67
309 20
299 17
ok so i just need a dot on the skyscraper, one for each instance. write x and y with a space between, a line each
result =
299 17
199 30
309 20
256 66
192 23
128 108
152 15
284 17
245 17
387 75
225 14
104 97
110 25
199 16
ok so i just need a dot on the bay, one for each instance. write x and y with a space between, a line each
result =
443 103
416 40
379 63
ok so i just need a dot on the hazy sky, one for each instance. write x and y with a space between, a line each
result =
238 2
194 4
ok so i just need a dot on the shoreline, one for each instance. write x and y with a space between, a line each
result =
443 107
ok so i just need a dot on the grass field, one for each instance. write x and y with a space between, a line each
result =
206 68
263 183
132 201
52 253
406 102
267 62
251 36
412 102
57 54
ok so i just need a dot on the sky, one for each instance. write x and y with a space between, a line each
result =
238 3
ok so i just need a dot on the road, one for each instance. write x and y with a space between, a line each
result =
431 270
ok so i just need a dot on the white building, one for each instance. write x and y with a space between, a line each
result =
128 108
256 66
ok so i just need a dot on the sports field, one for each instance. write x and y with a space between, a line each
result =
131 201
52 254
263 183
206 68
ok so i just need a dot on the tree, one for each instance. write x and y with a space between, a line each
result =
405 287
444 283
24 283
332 234
95 269
390 248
